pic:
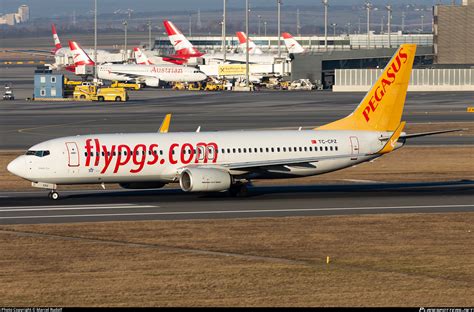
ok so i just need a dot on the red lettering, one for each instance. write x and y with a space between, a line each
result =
97 152
403 55
139 150
108 157
88 152
372 103
154 153
399 64
120 149
171 153
379 95
391 75
385 83
366 113
184 148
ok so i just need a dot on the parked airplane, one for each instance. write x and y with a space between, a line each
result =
150 75
291 44
64 56
253 49
220 161
180 43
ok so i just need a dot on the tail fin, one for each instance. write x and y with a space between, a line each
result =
57 43
181 45
291 44
382 107
253 49
79 55
140 57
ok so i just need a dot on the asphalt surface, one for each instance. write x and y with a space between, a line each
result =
24 123
171 204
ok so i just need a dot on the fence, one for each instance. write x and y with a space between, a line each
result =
453 79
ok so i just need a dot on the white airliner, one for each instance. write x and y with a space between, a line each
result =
253 49
221 161
64 55
150 75
291 44
186 51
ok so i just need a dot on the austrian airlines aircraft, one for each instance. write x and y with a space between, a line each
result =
64 56
291 44
253 49
221 161
180 43
151 75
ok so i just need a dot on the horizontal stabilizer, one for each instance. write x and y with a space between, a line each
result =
421 134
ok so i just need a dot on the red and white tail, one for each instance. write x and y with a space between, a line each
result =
253 49
57 43
291 44
141 58
79 55
182 46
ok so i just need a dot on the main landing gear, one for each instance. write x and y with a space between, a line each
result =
239 189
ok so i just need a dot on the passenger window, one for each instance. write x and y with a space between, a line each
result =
245 150
305 149
330 148
233 150
223 151
301 149
289 149
273 150
278 149
310 148
321 148
255 150
335 148
284 149
103 154
240 150
267 149
261 150
326 148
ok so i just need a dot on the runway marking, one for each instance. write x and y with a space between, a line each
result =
74 207
238 211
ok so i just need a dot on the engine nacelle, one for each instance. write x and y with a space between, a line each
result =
152 82
142 185
204 180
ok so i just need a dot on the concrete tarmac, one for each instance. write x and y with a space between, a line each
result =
25 123
173 204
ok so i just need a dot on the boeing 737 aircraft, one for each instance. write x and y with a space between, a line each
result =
221 161
150 75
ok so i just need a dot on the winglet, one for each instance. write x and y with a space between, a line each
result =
392 142
165 124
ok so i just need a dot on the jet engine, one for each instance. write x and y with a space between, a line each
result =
204 180
152 82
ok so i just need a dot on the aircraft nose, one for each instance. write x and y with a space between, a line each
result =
17 167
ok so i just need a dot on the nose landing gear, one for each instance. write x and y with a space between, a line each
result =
53 195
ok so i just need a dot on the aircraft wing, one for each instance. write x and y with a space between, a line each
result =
279 162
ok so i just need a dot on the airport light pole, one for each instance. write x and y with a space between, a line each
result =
224 35
259 24
95 41
422 23
389 24
403 21
368 6
279 30
334 29
265 28
125 24
149 34
348 28
247 85
326 4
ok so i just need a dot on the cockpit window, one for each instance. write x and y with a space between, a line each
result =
37 153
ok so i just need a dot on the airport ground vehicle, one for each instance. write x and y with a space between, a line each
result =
214 86
196 86
93 93
68 82
301 84
179 86
126 85
8 95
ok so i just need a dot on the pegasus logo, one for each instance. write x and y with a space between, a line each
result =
384 86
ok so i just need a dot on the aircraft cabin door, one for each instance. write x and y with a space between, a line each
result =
73 154
354 147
